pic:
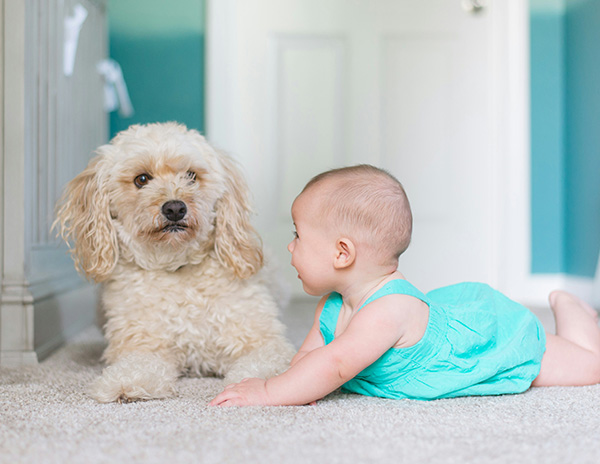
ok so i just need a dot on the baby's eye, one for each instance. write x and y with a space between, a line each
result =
295 234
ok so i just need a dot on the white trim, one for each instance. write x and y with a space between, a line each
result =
221 94
18 358
596 286
513 154
534 289
16 303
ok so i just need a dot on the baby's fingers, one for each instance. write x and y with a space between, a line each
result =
232 402
222 397
233 385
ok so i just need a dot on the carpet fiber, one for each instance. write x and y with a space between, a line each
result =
46 417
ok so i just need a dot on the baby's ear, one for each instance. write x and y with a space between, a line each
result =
345 253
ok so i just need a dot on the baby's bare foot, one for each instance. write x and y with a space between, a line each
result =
560 297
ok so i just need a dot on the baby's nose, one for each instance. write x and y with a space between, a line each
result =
290 246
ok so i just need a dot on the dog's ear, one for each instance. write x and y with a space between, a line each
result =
237 243
83 221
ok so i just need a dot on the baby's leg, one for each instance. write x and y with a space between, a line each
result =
572 356
576 320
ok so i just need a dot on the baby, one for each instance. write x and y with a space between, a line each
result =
377 335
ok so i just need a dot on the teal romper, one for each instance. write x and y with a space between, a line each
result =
477 342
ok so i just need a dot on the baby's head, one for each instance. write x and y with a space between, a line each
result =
367 205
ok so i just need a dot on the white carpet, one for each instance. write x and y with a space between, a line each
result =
46 417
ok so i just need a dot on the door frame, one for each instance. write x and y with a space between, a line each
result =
512 157
510 128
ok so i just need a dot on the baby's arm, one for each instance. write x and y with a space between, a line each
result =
313 339
375 329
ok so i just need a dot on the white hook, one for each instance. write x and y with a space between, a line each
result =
115 89
473 6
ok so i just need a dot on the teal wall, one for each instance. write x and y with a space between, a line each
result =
547 137
565 136
582 136
160 47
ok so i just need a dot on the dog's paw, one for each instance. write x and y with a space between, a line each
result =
264 362
135 377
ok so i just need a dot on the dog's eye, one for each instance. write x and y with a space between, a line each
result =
191 176
142 180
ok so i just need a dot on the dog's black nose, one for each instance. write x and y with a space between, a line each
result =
174 210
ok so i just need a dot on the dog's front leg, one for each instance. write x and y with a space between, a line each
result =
136 376
267 360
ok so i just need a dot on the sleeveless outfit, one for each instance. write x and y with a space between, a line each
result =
477 342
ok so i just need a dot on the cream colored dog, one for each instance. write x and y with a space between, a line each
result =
162 220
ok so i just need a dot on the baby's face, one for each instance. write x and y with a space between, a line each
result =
313 247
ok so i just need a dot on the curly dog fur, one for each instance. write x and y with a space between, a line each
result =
162 219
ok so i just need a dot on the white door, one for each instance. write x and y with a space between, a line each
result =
300 86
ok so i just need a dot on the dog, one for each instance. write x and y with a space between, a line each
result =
162 220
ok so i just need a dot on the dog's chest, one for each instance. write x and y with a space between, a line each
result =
178 306
201 315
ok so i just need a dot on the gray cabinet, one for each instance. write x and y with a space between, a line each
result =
49 127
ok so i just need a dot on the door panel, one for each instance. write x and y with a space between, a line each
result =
308 112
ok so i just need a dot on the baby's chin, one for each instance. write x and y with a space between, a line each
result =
311 291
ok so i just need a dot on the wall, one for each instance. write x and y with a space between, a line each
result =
161 50
547 136
582 70
565 142
160 47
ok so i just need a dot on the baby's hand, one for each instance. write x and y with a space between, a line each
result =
249 392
